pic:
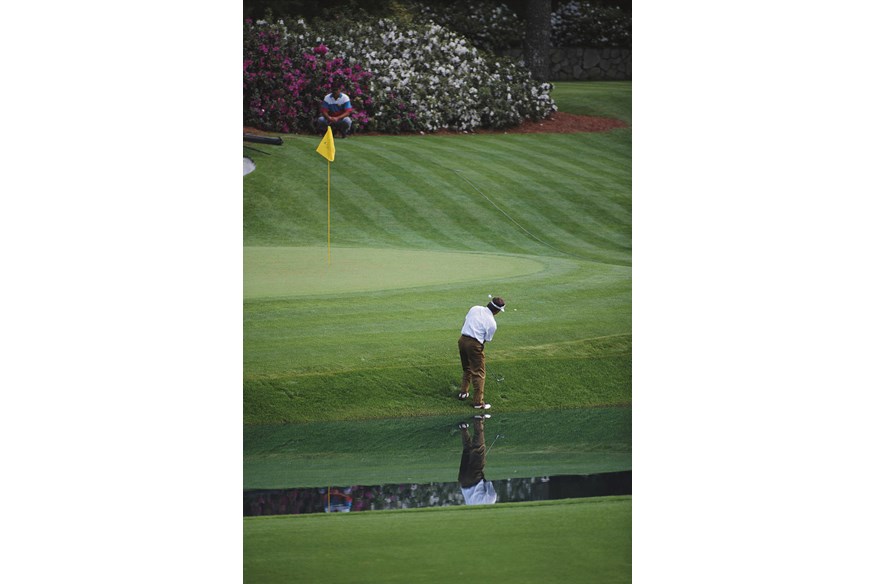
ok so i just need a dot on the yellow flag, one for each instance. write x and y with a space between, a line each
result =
327 146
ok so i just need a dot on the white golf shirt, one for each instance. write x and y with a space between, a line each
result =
479 324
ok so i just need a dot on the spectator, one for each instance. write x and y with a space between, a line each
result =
336 111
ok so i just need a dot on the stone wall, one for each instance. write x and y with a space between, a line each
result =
582 64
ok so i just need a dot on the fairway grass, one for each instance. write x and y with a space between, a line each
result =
571 540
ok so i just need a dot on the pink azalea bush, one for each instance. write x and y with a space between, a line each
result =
284 83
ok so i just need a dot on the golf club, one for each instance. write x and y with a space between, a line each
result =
494 441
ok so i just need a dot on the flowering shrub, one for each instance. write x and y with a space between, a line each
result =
439 80
283 84
581 24
419 78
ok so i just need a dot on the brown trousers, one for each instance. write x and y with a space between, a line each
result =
474 370
474 456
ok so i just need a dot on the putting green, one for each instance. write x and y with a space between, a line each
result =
270 272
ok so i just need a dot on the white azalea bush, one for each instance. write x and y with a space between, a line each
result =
427 78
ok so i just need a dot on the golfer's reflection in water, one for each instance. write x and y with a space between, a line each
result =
475 488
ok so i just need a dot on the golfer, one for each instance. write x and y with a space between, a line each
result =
478 328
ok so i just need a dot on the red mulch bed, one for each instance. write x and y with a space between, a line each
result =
557 123
561 123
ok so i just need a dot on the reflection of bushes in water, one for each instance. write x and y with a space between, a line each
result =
282 502
365 498
443 494
375 498
406 496
529 489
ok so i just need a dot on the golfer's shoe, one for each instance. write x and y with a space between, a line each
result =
462 426
481 406
463 395
481 416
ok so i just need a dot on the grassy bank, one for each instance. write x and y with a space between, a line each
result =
514 542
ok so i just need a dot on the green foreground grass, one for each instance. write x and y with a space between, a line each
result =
563 541
422 228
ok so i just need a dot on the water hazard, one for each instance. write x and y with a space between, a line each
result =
435 462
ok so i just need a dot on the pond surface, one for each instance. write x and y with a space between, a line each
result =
428 462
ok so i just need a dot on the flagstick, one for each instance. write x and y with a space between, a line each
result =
330 213
327 149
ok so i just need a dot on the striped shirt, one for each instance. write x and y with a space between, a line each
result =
336 106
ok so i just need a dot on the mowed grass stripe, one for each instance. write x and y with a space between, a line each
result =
597 209
574 155
391 192
388 189
388 225
441 224
586 161
361 202
383 182
550 219
294 179
511 190
438 219
479 224
543 220
281 199
562 230
544 209
603 181
566 153
382 223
